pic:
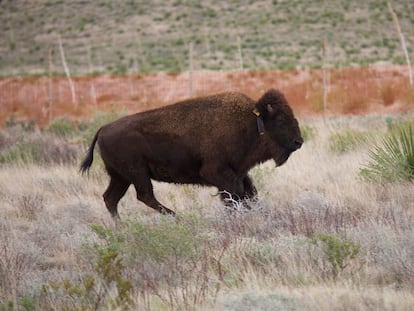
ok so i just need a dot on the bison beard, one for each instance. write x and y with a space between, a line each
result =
210 141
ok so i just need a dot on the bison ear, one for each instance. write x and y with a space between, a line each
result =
267 104
269 108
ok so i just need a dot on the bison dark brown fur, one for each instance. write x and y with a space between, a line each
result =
211 141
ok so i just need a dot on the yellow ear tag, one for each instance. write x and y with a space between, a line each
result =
256 112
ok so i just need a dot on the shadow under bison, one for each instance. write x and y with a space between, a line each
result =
212 141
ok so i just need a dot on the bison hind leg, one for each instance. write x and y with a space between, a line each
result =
115 191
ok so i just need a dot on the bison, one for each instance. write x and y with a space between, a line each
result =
210 141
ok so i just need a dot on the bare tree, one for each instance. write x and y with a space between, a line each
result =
402 39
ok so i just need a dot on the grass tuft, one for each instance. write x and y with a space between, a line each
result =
346 140
393 160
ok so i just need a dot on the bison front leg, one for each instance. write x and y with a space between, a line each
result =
250 191
224 178
249 194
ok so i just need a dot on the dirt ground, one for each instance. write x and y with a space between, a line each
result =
359 90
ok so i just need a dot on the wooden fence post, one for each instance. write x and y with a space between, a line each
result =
240 53
67 72
190 61
324 80
50 71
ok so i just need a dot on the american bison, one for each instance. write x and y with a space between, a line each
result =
211 141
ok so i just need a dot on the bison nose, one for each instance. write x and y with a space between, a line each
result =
297 143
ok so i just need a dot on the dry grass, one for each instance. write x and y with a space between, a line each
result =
260 259
323 298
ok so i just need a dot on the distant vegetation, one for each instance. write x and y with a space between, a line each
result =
149 36
57 143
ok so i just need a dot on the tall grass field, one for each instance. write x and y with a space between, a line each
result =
332 229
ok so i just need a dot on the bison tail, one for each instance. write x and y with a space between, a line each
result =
87 162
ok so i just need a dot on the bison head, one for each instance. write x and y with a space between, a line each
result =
281 129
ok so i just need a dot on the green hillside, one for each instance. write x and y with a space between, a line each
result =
104 36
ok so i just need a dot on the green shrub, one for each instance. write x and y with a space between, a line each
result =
92 291
88 130
61 127
393 160
261 254
38 149
308 132
22 152
28 303
7 306
153 242
347 140
96 289
168 258
27 126
337 252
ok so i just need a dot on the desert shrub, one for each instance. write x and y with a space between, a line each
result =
173 261
262 256
337 252
26 125
14 265
4 141
27 303
39 149
21 152
393 160
308 132
346 140
28 206
102 285
390 249
164 241
88 294
93 291
61 127
7 306
88 129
